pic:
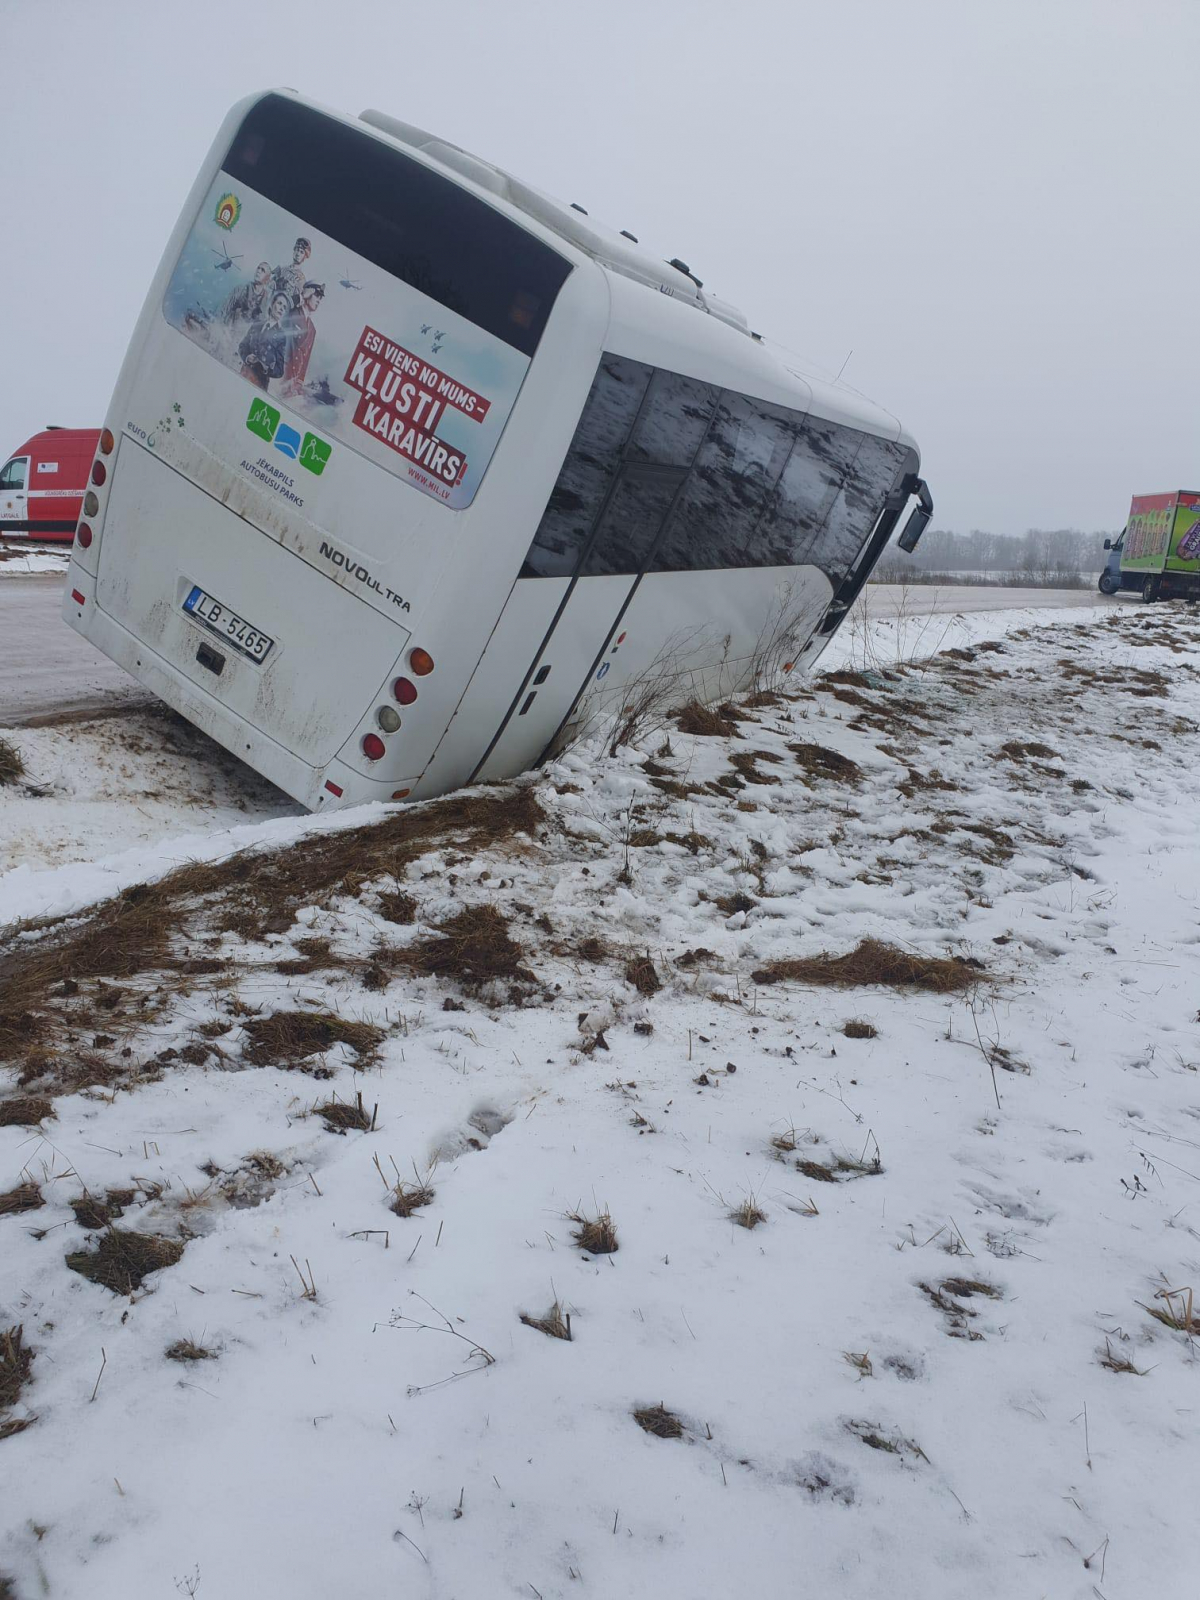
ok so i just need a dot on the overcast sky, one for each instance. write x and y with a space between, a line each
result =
993 205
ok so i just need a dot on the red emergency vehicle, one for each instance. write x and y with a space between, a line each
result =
43 483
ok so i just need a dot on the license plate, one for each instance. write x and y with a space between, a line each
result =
235 630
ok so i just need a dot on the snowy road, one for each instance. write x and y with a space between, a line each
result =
48 670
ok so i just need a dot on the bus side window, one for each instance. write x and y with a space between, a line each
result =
674 420
736 470
808 489
617 392
632 518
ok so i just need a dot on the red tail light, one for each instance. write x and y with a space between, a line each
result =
401 794
83 536
405 691
99 473
333 788
107 443
373 747
77 597
421 662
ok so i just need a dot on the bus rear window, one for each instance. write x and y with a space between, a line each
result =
410 221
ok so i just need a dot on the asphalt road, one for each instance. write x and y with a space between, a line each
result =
48 672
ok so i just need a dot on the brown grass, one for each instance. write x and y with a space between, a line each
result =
731 904
93 1213
855 1029
24 1111
123 1259
189 1350
410 1197
663 1424
556 1324
474 947
344 1116
744 763
288 1039
1119 1363
818 762
874 962
1178 1311
748 1214
251 894
704 721
396 906
596 1236
12 768
16 1358
641 974
25 1197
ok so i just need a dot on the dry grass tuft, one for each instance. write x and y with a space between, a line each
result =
745 764
874 962
344 1116
641 974
409 1197
290 1038
25 1197
556 1324
12 768
704 721
731 904
398 907
123 1259
16 1358
189 1350
596 1236
663 1424
24 1111
818 762
1118 1363
855 1029
748 1214
861 1362
1178 1311
475 947
93 1213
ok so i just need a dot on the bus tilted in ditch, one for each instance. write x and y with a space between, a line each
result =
412 471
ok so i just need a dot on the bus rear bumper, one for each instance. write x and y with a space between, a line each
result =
329 788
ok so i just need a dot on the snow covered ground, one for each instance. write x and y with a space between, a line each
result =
939 1360
18 558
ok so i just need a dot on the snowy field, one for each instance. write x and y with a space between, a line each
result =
312 1155
19 558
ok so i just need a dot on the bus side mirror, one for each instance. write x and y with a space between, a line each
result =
919 518
1108 544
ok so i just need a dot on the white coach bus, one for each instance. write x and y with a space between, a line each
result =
410 470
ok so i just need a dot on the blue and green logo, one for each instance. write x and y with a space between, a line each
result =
311 452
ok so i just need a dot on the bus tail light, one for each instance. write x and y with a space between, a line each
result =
401 794
99 473
373 747
334 789
83 536
421 662
77 597
405 691
388 718
107 442
91 503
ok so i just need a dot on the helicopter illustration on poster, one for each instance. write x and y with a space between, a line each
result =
226 261
348 283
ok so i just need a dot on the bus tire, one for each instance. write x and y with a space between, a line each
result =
1150 588
1109 584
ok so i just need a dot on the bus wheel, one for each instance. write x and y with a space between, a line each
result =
1150 588
1109 584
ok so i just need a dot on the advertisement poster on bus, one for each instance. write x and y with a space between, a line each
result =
363 357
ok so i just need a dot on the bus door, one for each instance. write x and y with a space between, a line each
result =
14 501
608 571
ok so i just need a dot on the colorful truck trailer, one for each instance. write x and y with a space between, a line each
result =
1159 551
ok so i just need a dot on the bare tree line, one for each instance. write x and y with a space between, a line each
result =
1060 558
